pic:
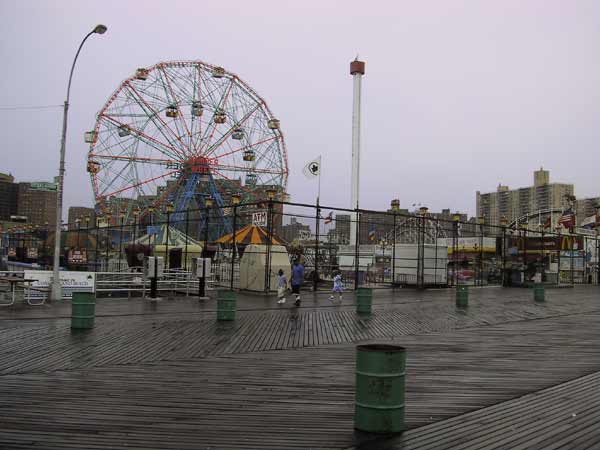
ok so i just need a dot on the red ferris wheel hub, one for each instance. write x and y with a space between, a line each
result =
200 164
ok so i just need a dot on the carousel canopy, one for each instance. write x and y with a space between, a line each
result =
157 235
251 234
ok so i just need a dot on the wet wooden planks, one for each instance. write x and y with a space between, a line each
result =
298 398
563 417
40 345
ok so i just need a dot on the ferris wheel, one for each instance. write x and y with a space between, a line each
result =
179 132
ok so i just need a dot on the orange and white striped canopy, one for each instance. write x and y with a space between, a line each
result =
250 234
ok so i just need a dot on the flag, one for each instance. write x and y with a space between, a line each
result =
329 218
548 222
313 168
567 219
372 234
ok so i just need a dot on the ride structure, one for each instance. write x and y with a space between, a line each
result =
178 132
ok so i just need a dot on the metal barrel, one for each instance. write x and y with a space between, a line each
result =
83 310
380 373
462 296
364 299
225 304
538 292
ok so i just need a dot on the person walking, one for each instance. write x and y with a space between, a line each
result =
281 286
337 286
297 279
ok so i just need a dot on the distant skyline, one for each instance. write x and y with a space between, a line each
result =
458 96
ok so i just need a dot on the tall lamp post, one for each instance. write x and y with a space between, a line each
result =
235 199
56 290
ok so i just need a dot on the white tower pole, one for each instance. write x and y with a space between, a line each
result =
357 70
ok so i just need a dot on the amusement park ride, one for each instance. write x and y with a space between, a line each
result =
177 133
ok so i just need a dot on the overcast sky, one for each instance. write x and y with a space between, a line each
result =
458 96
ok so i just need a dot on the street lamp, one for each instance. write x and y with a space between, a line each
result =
56 290
235 199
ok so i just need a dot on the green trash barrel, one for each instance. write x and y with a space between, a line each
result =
364 299
462 296
380 371
83 310
225 305
538 292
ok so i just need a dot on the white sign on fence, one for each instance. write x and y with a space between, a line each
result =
71 281
259 218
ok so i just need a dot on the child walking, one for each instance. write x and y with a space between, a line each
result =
281 287
337 286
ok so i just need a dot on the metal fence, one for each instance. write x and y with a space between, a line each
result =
249 243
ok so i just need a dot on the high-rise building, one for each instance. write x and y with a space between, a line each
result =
512 204
294 230
586 207
8 196
37 202
342 228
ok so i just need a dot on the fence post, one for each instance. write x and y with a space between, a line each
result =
97 243
571 255
394 250
269 239
597 256
167 262
316 272
559 250
122 218
356 244
187 230
108 217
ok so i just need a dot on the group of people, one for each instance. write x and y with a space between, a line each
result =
296 281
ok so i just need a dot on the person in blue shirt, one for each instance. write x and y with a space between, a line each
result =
297 279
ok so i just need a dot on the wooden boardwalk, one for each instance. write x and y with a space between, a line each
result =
279 378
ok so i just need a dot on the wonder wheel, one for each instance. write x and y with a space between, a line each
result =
177 133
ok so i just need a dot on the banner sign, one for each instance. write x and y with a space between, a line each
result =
71 281
550 243
259 218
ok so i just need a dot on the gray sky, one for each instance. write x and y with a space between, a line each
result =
458 95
